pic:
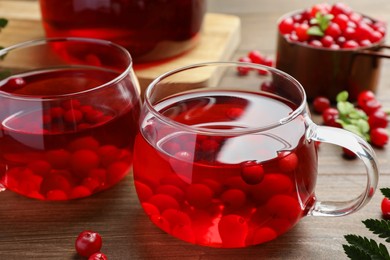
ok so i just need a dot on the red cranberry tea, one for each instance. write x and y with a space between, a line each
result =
225 190
58 150
150 30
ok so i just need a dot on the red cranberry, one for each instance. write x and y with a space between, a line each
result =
320 104
327 41
252 172
244 70
364 97
378 119
340 8
385 207
333 30
350 44
98 256
15 83
301 31
341 20
199 195
371 106
329 116
256 57
88 243
286 26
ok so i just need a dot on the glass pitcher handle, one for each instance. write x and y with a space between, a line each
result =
363 151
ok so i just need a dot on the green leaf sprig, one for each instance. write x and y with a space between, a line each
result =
319 24
362 248
352 118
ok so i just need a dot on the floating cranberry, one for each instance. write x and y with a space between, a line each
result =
117 171
144 192
150 209
57 112
163 202
16 83
91 183
199 195
284 206
98 174
73 116
87 142
273 183
40 167
176 217
161 222
82 161
171 190
55 181
234 113
88 243
80 192
288 161
252 172
56 195
263 234
59 159
233 198
184 232
210 145
233 230
108 154
71 104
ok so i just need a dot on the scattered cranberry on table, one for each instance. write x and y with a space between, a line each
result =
88 243
256 57
98 256
385 207
334 26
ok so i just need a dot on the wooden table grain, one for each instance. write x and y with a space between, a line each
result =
31 229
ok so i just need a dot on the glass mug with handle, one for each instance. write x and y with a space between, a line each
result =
69 108
233 163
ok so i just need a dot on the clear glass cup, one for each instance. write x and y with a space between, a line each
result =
151 30
233 163
69 110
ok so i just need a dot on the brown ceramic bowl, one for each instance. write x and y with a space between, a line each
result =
326 72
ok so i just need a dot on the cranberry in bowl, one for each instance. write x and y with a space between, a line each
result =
331 48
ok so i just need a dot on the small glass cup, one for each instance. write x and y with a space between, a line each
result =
69 110
234 163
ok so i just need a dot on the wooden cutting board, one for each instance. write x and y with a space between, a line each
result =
220 37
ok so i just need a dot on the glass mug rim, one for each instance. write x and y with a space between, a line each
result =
231 132
43 41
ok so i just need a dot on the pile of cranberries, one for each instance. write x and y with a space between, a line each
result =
334 26
370 110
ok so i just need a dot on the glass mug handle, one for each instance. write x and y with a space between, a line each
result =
363 151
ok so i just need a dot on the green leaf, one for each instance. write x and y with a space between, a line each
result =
342 96
368 246
386 192
379 227
354 129
3 22
363 125
355 253
345 107
315 31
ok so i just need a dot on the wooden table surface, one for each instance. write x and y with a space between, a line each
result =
31 229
